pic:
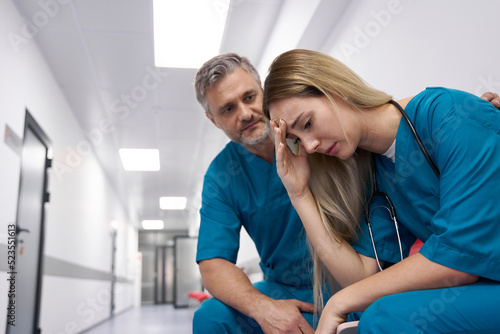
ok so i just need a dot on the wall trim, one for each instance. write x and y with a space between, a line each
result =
61 268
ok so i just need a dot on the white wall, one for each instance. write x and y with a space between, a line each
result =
82 205
404 46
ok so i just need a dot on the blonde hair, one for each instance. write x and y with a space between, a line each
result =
338 186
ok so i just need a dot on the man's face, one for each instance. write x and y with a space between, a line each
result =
235 103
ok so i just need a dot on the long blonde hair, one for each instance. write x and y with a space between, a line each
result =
338 186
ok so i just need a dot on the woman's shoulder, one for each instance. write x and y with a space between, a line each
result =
440 108
440 94
447 102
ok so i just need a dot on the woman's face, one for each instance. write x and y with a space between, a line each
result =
317 126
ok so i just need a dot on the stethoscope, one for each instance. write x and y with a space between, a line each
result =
384 196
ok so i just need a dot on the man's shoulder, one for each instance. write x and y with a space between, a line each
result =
231 154
226 154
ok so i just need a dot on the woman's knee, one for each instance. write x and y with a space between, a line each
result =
383 315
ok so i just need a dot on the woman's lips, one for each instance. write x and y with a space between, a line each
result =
332 150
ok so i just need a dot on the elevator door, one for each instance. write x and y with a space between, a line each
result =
30 231
164 275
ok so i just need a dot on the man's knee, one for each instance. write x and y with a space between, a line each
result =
208 317
214 316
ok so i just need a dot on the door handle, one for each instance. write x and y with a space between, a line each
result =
19 230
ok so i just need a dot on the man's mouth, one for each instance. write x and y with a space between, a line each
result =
250 126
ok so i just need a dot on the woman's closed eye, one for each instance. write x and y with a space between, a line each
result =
307 125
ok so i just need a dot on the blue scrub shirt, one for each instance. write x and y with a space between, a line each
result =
457 215
240 189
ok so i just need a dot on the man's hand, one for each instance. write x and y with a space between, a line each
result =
494 98
283 316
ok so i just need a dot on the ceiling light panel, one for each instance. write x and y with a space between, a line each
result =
173 203
140 159
187 32
153 224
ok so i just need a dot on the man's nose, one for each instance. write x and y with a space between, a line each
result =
245 111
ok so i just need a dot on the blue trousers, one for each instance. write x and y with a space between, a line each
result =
215 317
471 309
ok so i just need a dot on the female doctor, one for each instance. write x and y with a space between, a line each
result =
425 167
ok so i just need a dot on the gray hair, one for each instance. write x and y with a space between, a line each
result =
216 69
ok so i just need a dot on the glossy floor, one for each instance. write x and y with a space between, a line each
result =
148 319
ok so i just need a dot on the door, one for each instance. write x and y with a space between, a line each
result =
26 271
148 274
187 274
113 272
164 275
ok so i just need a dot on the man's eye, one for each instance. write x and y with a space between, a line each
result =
250 98
307 125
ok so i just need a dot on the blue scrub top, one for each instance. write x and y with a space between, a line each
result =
457 215
240 189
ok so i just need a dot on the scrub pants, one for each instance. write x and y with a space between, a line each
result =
215 317
471 309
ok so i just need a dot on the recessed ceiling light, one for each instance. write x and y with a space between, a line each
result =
189 32
153 224
140 159
173 203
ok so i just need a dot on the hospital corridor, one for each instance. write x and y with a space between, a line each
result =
105 146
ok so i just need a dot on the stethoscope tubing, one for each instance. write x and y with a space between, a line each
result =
376 192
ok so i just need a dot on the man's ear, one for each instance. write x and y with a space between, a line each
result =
210 117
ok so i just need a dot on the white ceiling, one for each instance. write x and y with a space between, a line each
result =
102 51
101 54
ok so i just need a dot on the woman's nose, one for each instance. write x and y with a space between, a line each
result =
311 146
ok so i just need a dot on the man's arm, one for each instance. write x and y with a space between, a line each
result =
229 284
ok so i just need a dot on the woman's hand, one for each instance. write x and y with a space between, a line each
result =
331 318
292 169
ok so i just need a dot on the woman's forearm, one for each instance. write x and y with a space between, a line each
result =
414 273
341 260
